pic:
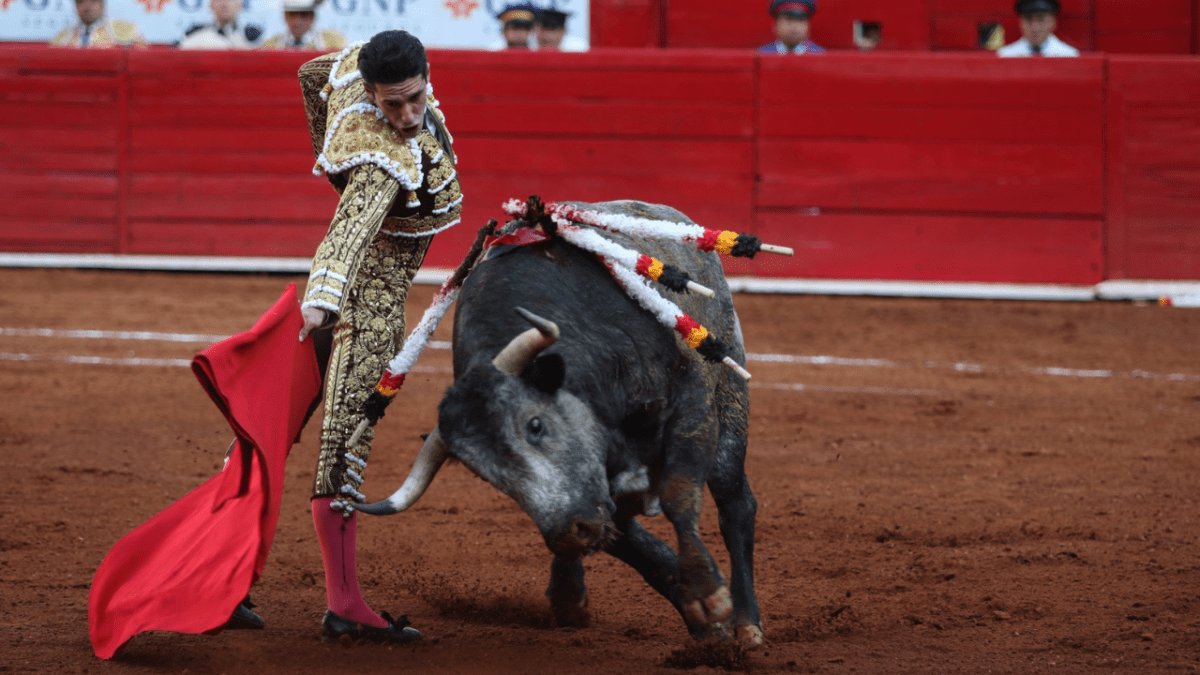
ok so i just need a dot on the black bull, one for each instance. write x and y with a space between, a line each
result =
616 418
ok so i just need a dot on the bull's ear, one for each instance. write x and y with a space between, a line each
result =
546 373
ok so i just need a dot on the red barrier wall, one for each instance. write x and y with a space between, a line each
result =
1154 168
1165 27
928 167
906 166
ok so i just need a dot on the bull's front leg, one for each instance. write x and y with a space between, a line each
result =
705 595
567 592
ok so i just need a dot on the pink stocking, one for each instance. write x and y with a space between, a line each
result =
337 535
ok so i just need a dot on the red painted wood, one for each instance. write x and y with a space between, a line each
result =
623 118
40 234
232 138
35 160
44 61
962 81
625 23
1008 177
273 239
153 111
935 248
214 161
921 165
87 186
61 208
1154 167
1107 25
237 197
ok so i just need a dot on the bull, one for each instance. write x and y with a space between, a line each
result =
599 414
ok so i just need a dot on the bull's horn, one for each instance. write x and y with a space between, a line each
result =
521 351
433 454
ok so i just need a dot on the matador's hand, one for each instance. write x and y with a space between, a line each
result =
314 317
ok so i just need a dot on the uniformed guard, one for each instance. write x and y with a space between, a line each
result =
300 16
1039 18
224 32
791 28
97 30
550 32
516 22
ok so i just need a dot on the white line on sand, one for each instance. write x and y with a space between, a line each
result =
820 360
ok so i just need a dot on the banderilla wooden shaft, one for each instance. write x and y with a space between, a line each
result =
736 368
362 429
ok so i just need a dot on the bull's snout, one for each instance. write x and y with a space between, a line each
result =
581 534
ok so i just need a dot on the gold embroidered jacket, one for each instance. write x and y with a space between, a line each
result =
106 32
390 186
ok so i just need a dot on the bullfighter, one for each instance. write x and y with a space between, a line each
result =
382 142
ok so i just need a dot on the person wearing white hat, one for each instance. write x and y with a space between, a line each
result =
1039 18
224 32
300 15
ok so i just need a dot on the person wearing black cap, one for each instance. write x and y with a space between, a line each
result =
1039 18
550 32
516 22
791 28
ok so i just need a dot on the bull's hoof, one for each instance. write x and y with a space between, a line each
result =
572 615
710 631
750 635
714 609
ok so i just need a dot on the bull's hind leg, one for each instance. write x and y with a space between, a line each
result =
736 508
568 593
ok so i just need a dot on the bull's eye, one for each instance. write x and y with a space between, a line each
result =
535 426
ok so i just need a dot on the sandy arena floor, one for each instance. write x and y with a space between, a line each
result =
969 486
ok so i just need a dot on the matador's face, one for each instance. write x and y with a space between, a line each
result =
403 104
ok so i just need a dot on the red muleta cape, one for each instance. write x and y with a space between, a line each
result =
187 568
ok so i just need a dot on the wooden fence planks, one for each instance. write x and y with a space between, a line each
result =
904 166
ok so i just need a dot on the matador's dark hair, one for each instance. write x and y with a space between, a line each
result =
391 57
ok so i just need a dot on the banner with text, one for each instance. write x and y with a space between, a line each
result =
457 24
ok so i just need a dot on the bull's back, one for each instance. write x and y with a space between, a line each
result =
605 334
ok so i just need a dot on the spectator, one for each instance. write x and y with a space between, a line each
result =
96 30
1039 18
224 31
517 25
550 32
867 36
791 28
300 16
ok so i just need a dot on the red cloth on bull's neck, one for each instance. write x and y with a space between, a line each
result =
186 569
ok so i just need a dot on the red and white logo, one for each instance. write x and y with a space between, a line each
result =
461 8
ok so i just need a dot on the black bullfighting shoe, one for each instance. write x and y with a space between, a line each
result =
244 617
333 627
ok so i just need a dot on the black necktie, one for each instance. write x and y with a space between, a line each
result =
1036 49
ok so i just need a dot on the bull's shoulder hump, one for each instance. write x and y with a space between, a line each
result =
632 207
